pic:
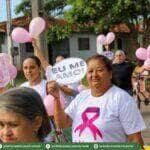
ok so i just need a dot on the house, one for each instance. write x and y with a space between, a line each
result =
80 45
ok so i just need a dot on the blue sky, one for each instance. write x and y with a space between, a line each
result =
3 15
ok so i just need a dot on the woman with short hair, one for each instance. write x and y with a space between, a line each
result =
102 113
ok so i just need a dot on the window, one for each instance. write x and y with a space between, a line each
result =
83 44
15 51
29 48
119 43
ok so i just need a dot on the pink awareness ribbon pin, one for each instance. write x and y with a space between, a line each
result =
89 122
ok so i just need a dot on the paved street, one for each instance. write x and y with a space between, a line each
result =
145 110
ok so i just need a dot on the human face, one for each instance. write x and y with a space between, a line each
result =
14 127
120 57
59 58
106 47
31 70
97 74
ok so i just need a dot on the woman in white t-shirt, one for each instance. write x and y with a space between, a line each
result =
68 91
32 72
103 113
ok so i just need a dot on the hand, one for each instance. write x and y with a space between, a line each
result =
115 61
53 89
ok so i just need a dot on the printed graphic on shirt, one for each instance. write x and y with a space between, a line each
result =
89 122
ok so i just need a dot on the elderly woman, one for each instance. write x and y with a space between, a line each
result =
103 113
22 116
122 71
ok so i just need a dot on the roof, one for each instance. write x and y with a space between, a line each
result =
20 21
121 27
24 22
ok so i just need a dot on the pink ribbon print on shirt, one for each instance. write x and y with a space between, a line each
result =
89 122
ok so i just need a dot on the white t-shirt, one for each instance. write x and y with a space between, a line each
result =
40 88
108 118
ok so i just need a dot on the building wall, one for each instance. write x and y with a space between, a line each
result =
61 48
19 56
70 48
74 46
16 59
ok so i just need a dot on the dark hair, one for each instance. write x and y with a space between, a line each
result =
60 56
102 58
27 102
36 59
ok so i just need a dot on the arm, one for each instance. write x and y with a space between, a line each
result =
40 55
68 90
131 119
136 137
62 120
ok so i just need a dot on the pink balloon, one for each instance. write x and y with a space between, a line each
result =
148 48
4 74
12 71
147 63
4 78
49 104
37 25
141 53
148 51
101 39
6 57
110 37
20 35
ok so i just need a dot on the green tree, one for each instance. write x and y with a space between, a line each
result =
51 7
50 10
96 15
24 7
104 14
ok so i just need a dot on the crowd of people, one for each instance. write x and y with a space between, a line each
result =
105 111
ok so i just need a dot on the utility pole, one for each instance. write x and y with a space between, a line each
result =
37 10
8 26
